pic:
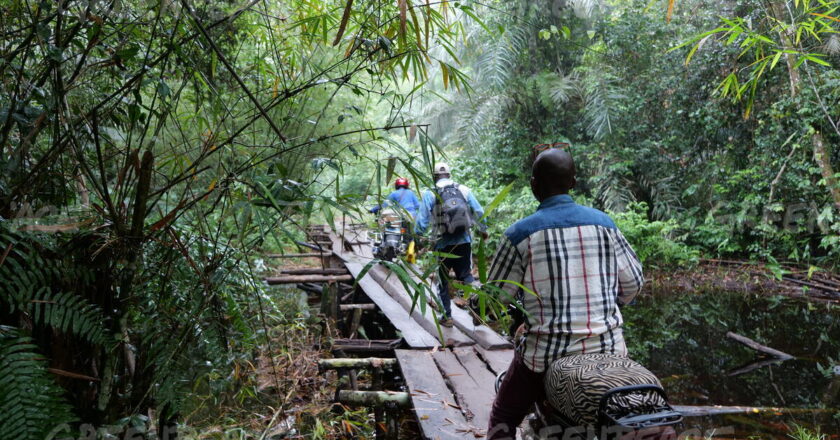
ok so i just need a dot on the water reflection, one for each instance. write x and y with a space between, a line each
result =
682 339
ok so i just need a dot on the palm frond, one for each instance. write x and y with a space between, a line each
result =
473 122
556 89
496 64
599 100
585 9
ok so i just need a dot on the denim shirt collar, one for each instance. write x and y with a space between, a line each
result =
553 201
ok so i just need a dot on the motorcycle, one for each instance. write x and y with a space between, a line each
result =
601 396
391 239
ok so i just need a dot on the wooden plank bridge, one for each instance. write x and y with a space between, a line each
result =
449 373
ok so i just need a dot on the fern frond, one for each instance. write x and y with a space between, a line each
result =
29 287
31 404
69 313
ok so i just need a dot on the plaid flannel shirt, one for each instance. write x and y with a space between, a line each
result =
579 267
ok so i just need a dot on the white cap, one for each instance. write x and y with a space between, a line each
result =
441 168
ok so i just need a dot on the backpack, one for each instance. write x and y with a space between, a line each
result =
454 210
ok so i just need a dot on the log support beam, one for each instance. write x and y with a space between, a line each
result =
334 364
374 398
298 279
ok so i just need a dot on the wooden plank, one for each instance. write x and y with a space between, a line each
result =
414 335
365 346
453 337
498 360
473 389
305 255
314 271
434 404
295 279
484 378
483 335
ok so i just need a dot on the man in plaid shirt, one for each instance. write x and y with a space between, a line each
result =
577 268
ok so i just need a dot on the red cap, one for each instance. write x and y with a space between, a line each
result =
402 181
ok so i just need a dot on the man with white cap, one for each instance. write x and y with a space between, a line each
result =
453 210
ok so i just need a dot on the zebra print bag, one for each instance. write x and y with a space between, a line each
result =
574 386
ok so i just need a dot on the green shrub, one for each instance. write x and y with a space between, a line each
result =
657 243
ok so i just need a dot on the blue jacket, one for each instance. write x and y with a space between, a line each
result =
403 197
424 217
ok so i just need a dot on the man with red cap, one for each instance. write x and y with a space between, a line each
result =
401 196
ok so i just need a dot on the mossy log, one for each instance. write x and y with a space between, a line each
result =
334 364
374 398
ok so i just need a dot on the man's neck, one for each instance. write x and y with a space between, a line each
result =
552 194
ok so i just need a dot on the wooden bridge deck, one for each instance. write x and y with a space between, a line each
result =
449 372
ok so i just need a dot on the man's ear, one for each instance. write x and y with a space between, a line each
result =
535 189
573 183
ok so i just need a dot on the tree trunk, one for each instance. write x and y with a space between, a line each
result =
823 158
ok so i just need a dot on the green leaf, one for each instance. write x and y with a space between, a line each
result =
496 201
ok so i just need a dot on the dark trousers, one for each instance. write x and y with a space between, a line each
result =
461 264
520 390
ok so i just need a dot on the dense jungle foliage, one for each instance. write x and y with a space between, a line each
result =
152 150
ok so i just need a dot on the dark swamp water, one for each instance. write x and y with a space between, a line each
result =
682 338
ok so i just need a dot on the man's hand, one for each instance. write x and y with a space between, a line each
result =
484 235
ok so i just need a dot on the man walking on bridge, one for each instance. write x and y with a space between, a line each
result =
454 210
579 268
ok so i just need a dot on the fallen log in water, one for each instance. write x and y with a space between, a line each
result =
374 398
758 347
755 366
